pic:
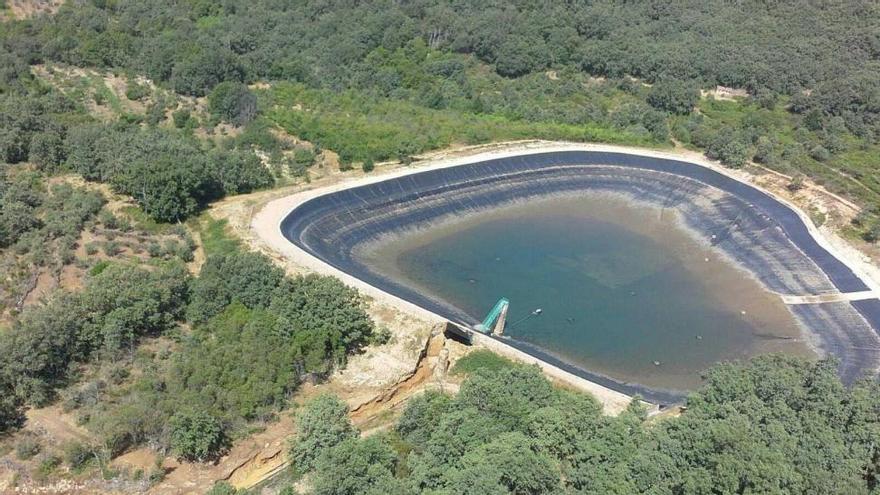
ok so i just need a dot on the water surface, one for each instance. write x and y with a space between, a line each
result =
625 290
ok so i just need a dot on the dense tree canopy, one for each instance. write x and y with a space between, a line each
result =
244 277
777 425
118 306
782 46
240 363
380 80
169 175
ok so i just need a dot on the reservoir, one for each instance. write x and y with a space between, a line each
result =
648 270
626 291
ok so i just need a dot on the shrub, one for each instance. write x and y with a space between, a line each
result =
196 436
303 157
481 359
27 447
111 248
154 249
109 220
819 153
872 233
135 91
98 267
763 150
181 118
77 455
222 488
796 183
48 464
381 337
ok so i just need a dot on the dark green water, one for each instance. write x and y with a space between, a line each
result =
621 288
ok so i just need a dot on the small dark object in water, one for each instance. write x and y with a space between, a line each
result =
570 320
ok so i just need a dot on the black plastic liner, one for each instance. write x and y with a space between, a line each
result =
758 232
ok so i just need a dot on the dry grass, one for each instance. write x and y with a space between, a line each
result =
25 9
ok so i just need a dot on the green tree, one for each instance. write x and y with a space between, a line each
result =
421 415
200 72
216 370
120 305
519 55
356 467
90 149
233 102
168 177
321 425
47 150
196 436
11 410
323 318
13 145
507 396
728 148
238 171
20 197
250 278
506 464
674 96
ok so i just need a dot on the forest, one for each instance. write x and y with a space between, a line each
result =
774 425
201 382
382 80
173 105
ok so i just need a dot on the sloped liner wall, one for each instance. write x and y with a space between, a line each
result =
760 233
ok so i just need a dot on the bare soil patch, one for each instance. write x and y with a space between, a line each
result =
25 9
